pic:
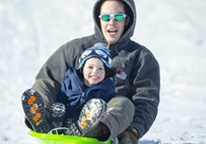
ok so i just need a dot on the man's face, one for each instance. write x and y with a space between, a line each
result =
112 30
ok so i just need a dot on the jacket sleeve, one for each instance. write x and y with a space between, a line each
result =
145 89
51 75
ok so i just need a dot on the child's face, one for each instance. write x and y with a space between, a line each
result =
93 71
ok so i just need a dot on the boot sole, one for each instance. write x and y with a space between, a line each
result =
91 114
33 107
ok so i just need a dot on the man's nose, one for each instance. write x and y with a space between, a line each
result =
112 20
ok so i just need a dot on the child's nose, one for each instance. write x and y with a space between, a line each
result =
94 70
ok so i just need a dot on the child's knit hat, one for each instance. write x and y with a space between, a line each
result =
100 51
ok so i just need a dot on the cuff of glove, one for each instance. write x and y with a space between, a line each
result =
129 136
133 130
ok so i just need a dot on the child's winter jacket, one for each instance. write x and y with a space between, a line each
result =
74 95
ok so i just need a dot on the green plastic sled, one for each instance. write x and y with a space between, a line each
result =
44 138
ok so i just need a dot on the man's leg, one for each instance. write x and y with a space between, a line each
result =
119 116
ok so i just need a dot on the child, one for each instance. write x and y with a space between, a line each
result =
92 79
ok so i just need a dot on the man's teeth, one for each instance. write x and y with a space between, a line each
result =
112 30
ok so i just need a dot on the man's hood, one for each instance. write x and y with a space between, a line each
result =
129 30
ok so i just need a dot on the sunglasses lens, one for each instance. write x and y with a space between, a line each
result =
118 17
105 17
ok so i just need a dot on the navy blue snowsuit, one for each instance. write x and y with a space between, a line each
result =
74 95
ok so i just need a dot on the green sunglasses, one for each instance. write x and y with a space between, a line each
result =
117 17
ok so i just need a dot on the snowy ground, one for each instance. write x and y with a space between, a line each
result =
174 30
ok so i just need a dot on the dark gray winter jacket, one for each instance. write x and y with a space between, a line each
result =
139 81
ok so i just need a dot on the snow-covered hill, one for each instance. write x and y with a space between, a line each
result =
30 31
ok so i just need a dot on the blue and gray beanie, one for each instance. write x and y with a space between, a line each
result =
99 51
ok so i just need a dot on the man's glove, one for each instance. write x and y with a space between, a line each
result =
129 136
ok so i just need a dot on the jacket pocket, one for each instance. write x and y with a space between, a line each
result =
123 67
121 64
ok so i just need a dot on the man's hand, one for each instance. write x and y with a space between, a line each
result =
129 136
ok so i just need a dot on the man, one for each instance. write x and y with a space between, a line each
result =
134 109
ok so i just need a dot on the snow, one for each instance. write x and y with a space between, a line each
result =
30 31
